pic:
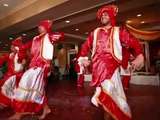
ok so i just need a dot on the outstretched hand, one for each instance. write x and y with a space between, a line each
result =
55 37
138 63
85 62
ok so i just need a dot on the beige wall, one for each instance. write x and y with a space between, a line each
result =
62 54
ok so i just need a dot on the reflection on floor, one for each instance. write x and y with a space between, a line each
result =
70 103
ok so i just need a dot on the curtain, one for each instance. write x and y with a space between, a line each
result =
143 35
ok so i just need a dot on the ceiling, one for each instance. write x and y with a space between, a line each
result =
21 17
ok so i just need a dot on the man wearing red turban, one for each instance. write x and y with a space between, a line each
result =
16 60
46 24
17 42
31 99
106 44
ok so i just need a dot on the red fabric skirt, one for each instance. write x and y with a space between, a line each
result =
111 107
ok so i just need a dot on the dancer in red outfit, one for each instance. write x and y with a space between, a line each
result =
16 60
30 96
80 73
106 43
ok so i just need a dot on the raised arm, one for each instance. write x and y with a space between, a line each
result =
26 46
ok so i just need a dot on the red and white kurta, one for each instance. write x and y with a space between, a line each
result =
30 94
106 46
12 76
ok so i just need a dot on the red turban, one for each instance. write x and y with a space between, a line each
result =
46 24
17 42
111 10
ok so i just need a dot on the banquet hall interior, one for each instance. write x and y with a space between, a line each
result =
77 18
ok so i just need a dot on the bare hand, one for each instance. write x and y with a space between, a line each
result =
85 62
138 63
55 37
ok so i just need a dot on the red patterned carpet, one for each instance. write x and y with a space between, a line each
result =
69 103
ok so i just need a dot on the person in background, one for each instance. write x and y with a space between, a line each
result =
80 72
106 43
16 63
55 73
32 99
72 73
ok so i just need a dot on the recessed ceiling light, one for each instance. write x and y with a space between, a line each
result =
6 5
128 21
24 34
86 33
143 22
67 21
77 29
139 15
10 38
